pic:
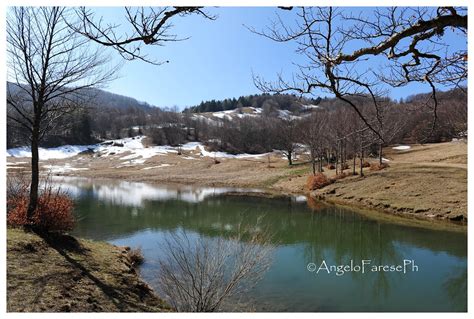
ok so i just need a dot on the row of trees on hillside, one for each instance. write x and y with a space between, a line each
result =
332 134
289 102
253 134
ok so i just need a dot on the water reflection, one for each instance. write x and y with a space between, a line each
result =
136 194
137 214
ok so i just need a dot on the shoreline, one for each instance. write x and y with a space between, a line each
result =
409 220
378 215
427 182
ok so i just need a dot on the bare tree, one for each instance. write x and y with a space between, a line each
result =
315 137
391 124
201 274
287 137
52 67
340 48
149 26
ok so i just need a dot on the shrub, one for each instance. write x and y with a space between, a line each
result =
365 164
317 181
17 185
345 166
378 166
53 213
222 267
331 166
135 256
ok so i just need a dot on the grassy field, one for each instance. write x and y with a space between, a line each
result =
425 182
64 274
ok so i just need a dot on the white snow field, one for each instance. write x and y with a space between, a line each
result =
49 153
137 153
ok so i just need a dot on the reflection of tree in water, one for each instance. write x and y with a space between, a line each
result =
327 232
340 235
345 233
456 288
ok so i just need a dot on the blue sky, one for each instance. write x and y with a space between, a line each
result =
216 62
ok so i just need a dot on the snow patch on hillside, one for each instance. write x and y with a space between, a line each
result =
158 166
310 106
401 147
135 153
50 153
223 114
63 169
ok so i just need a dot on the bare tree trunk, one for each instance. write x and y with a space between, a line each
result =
341 146
354 164
361 162
343 153
380 153
33 200
337 157
289 156
313 161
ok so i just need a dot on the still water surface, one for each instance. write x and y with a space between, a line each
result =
142 215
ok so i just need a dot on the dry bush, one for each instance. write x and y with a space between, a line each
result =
365 164
135 256
17 186
201 274
340 176
331 166
317 181
378 166
53 213
345 166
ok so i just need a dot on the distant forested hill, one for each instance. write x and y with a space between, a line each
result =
288 102
242 124
104 115
100 98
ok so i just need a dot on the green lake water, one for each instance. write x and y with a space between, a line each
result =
142 215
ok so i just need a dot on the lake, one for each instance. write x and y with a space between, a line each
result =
142 215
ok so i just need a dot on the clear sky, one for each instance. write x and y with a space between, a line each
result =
215 63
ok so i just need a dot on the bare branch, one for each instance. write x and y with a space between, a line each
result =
149 27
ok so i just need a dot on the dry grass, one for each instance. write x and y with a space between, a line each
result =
378 166
423 182
61 273
340 176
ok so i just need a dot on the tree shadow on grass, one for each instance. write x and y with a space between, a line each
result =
65 244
